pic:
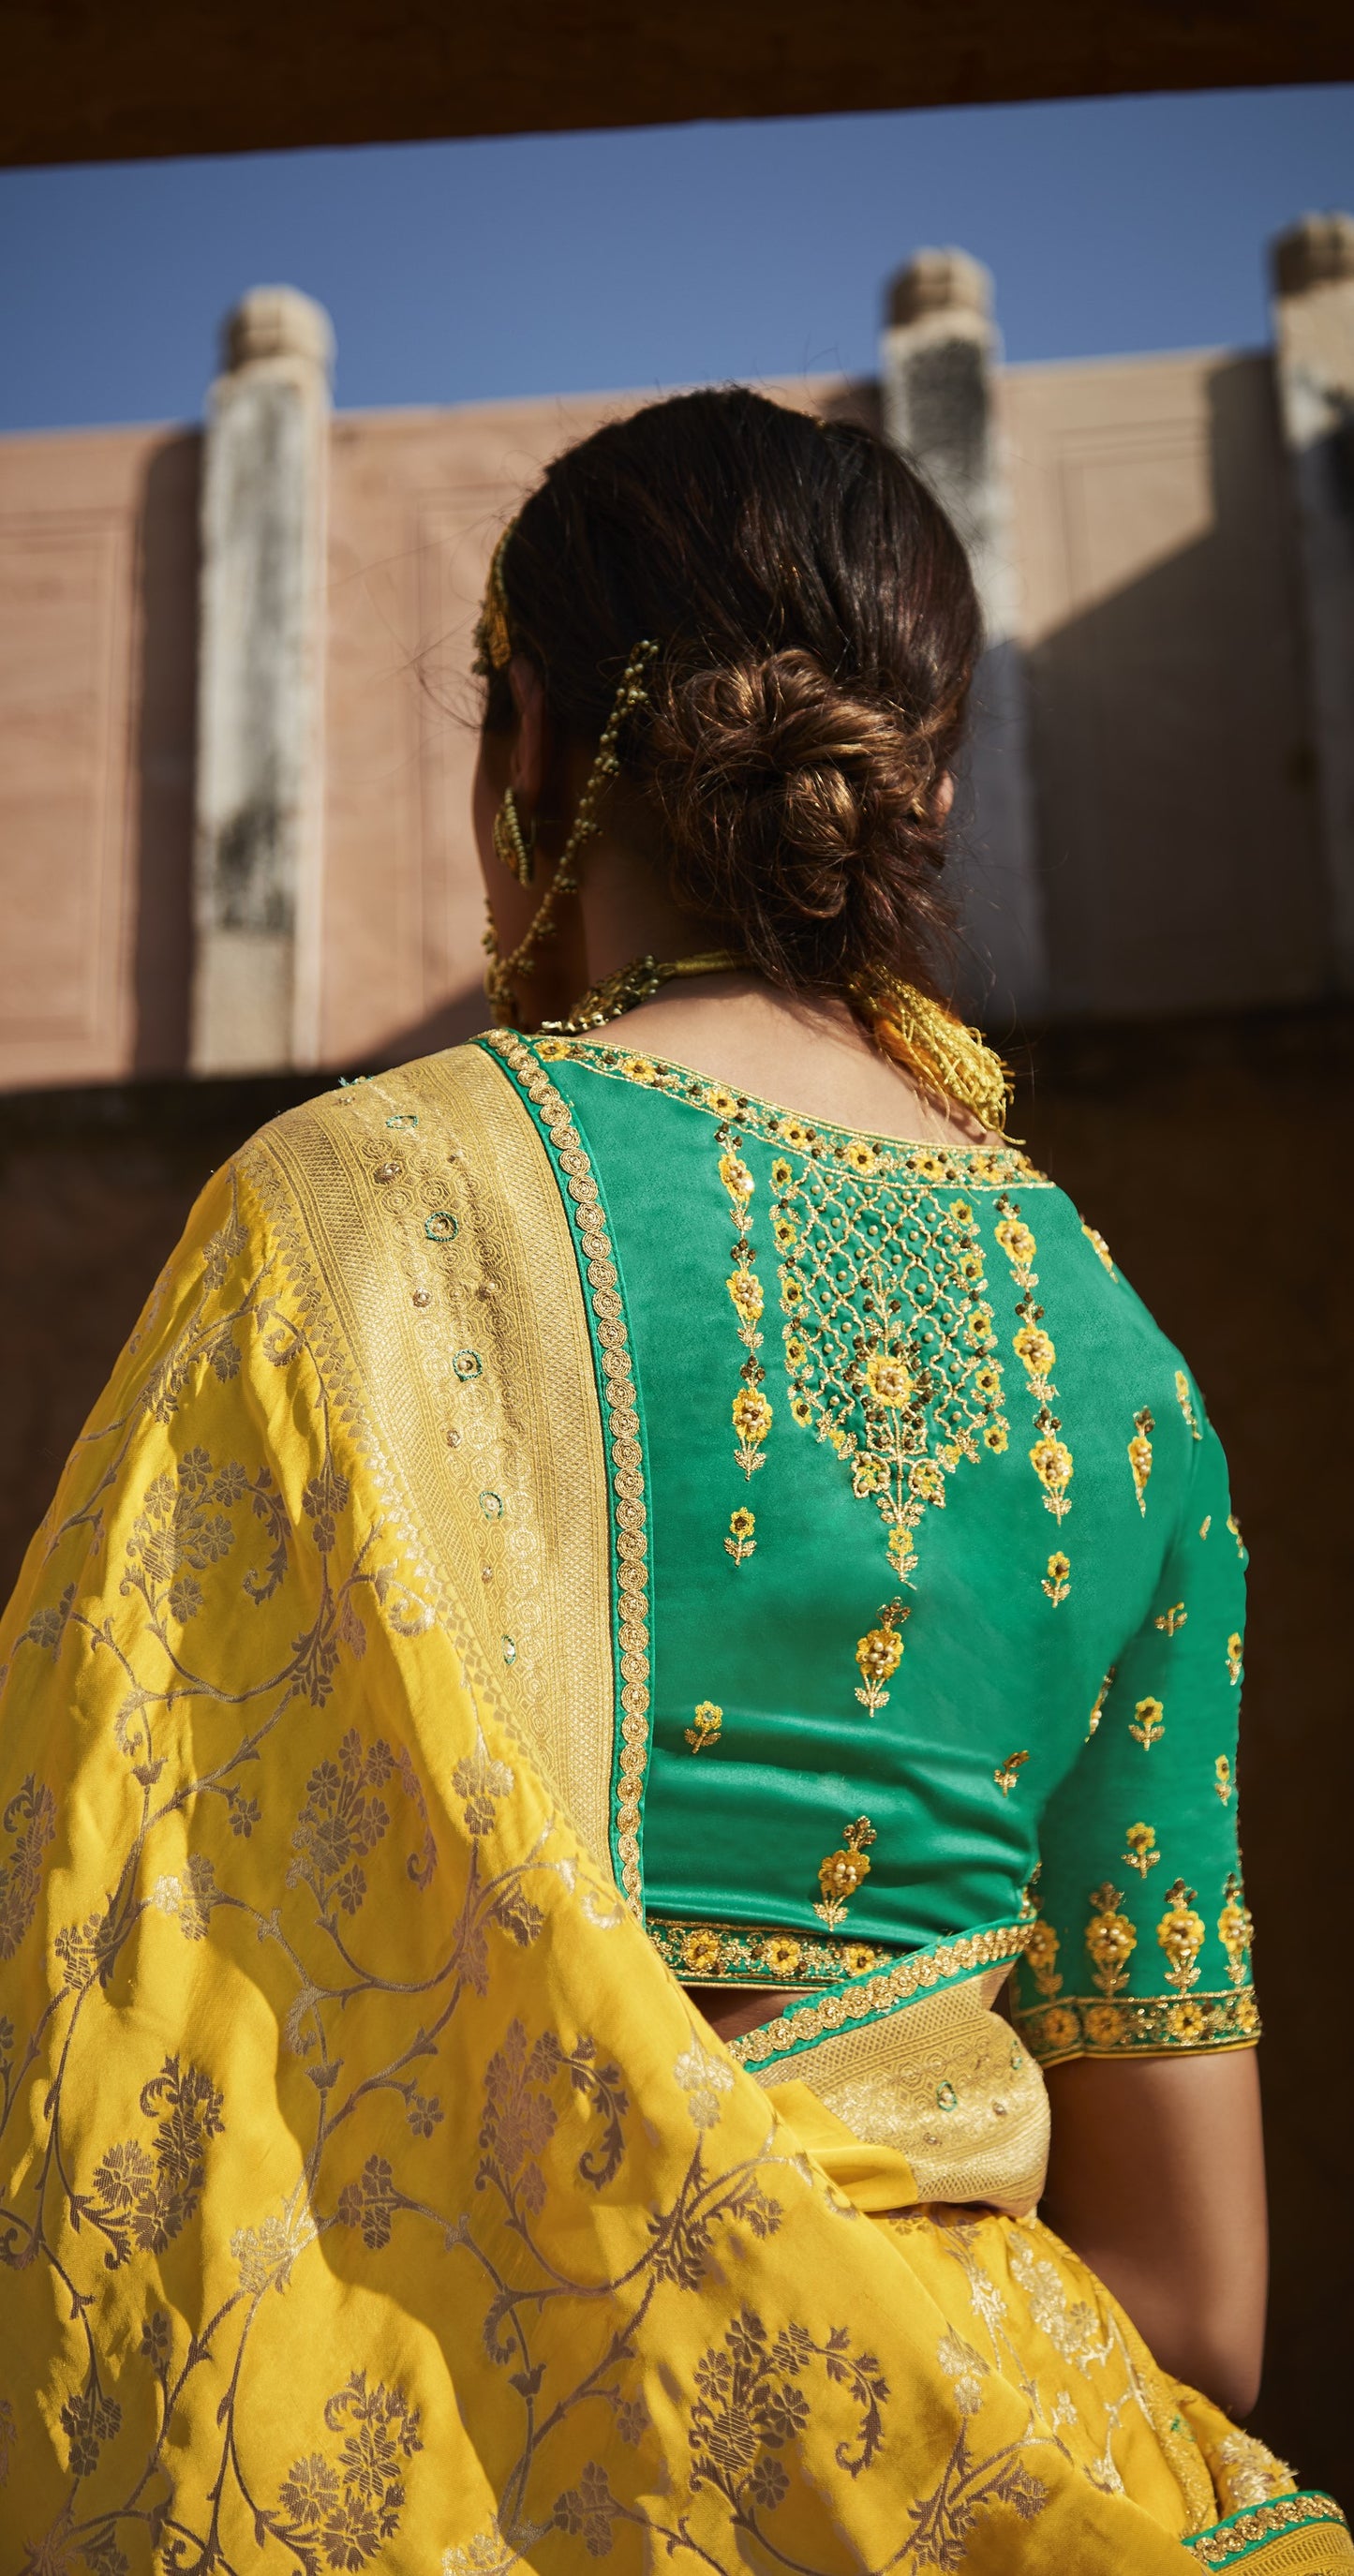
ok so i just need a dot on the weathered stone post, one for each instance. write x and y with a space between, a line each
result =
260 770
938 357
1314 359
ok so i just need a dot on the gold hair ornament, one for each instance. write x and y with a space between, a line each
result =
501 975
516 850
493 634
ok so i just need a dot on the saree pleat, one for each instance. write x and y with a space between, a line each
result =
371 2193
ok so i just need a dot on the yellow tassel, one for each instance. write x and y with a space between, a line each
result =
949 1060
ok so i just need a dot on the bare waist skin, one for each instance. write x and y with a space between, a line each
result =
731 2012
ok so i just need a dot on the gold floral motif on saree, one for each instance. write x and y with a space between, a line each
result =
1057 1577
752 1955
740 1543
1236 1931
843 1872
1148 1722
1140 1848
1050 1457
752 1412
1088 2026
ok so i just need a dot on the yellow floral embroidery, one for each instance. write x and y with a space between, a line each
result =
1180 1934
1100 1698
1056 1582
1182 1397
751 1409
743 1954
1058 2030
1169 1620
708 1726
740 1542
700 1953
1111 1939
782 1954
888 1335
1234 1657
1141 1848
1222 1777
1099 1245
842 1872
1050 1456
1041 1954
1236 1929
1009 1772
1235 1527
1140 1454
879 1653
1148 1723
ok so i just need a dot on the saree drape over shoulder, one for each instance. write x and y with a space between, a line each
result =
561 1528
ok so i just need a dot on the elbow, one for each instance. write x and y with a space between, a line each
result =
1224 2367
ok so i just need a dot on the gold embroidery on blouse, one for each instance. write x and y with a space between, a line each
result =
742 1954
1205 1525
1057 1583
889 1337
1170 1620
842 1872
1152 2025
751 1409
879 1653
941 1166
1100 1698
707 1728
901 1983
1148 1723
1234 1656
1180 1934
1041 1957
1111 1939
1141 1848
740 1542
1050 1456
1140 1454
1009 1772
1236 1929
1182 1397
1234 1526
1238 2537
1099 1245
1222 1777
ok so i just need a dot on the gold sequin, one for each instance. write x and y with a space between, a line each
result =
1180 1934
709 1722
842 1872
1140 1850
1140 1454
1111 1939
1148 1723
879 1653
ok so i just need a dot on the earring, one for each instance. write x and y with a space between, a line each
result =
516 851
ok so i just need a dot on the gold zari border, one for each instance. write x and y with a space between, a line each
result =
630 1514
759 1954
1089 2026
1283 2516
875 1997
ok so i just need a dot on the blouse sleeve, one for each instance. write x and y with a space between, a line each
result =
1142 1940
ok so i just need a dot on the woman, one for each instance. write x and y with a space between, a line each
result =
599 1621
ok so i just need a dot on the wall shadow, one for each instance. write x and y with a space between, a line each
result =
167 587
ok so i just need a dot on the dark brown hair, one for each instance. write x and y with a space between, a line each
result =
817 626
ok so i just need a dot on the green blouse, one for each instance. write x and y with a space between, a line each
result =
945 1593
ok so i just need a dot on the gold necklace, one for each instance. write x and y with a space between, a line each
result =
636 983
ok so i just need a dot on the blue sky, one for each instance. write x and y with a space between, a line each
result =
460 272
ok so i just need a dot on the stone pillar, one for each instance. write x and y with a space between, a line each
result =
1314 359
938 359
260 769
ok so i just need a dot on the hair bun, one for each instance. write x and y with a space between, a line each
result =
786 796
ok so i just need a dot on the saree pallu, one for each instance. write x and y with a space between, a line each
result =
371 2193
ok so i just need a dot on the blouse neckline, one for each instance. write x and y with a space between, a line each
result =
820 1138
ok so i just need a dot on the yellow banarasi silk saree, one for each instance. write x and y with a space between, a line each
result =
562 1533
